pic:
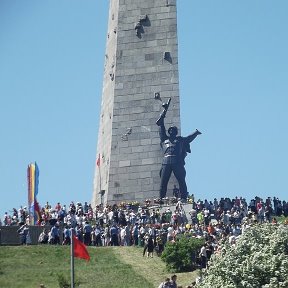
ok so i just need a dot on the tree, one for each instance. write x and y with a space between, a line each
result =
259 259
180 256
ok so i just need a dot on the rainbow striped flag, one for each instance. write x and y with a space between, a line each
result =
33 181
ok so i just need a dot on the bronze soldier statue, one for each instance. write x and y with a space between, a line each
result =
175 150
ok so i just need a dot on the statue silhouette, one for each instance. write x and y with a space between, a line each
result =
175 150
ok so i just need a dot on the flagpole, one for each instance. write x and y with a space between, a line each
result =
72 258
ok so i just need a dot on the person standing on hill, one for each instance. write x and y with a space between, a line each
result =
150 246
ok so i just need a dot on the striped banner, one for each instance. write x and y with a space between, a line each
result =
33 181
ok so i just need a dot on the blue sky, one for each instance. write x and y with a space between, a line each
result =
233 68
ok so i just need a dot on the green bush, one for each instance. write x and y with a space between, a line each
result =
180 256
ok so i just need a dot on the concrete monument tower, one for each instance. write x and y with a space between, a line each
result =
141 72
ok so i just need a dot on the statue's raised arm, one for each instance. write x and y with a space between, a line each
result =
160 121
163 114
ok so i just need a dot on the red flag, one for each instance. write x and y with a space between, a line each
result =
80 250
98 161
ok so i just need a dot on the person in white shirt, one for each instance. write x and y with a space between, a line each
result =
203 256
170 233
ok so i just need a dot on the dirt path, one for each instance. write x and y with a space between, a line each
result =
153 269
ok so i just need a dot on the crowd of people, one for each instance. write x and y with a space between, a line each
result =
151 225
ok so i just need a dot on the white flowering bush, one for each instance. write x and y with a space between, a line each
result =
259 259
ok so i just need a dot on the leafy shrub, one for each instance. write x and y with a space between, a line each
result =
180 256
259 259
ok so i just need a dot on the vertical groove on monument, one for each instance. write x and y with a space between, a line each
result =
141 60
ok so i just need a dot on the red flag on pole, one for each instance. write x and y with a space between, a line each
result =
98 160
80 250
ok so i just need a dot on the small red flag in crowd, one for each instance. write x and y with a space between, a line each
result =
98 161
80 250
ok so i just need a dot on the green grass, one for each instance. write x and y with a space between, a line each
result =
30 266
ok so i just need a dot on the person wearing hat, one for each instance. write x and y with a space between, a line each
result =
175 150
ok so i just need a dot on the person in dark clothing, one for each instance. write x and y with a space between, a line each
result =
116 216
97 232
114 236
135 234
87 233
150 247
160 245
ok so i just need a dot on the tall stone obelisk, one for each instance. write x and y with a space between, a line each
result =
141 70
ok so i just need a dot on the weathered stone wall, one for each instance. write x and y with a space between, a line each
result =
141 60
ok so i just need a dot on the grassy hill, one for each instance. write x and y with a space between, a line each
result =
31 266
